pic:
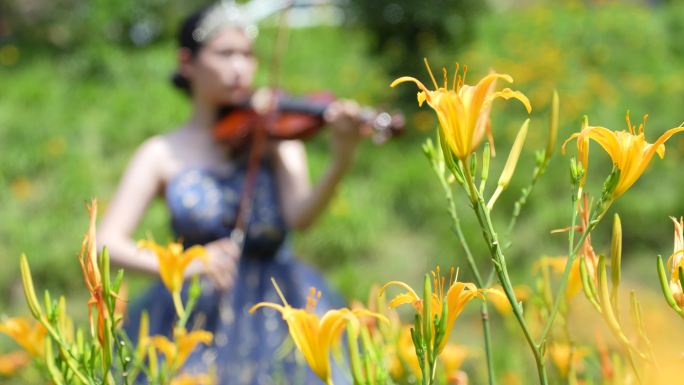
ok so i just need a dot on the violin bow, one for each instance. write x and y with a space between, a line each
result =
259 137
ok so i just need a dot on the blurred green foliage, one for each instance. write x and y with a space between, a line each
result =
398 29
68 127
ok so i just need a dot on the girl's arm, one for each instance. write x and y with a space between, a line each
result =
141 182
301 203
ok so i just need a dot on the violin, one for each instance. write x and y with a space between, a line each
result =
298 118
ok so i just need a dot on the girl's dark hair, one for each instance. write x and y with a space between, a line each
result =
187 40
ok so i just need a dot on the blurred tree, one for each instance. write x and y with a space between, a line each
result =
69 24
401 29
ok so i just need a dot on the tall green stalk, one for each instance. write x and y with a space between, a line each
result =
499 260
456 223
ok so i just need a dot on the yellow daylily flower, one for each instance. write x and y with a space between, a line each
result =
564 355
557 266
404 355
676 261
628 150
28 333
314 337
452 358
497 297
457 295
143 336
183 344
173 261
11 362
197 379
463 110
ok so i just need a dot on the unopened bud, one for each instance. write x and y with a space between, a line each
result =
511 162
616 257
29 292
667 293
553 126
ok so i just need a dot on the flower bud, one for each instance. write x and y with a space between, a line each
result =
616 258
553 126
511 162
667 293
29 292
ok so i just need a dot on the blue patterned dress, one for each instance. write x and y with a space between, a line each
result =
247 349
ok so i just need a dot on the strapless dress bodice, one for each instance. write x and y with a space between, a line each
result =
204 204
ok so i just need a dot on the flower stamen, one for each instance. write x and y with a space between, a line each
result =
280 293
427 65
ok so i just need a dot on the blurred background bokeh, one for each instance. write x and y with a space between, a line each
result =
84 82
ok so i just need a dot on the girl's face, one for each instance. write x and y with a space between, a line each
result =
223 69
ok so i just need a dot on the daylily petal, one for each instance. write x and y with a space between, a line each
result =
508 93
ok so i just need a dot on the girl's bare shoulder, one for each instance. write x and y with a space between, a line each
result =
158 152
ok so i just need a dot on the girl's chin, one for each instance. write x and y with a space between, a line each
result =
235 95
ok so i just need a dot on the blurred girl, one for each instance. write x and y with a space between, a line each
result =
201 181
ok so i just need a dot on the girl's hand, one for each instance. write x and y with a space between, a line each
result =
221 266
343 118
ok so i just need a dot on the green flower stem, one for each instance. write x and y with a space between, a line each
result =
539 170
484 312
178 304
64 351
490 236
568 265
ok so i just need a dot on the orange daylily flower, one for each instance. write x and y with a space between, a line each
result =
28 333
628 150
676 261
463 110
91 274
183 344
11 362
457 295
314 337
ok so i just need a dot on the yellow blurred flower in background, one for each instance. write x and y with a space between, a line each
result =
198 379
183 344
497 297
463 110
557 266
11 362
565 356
173 260
28 333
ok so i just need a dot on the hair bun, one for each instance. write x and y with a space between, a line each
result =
181 82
